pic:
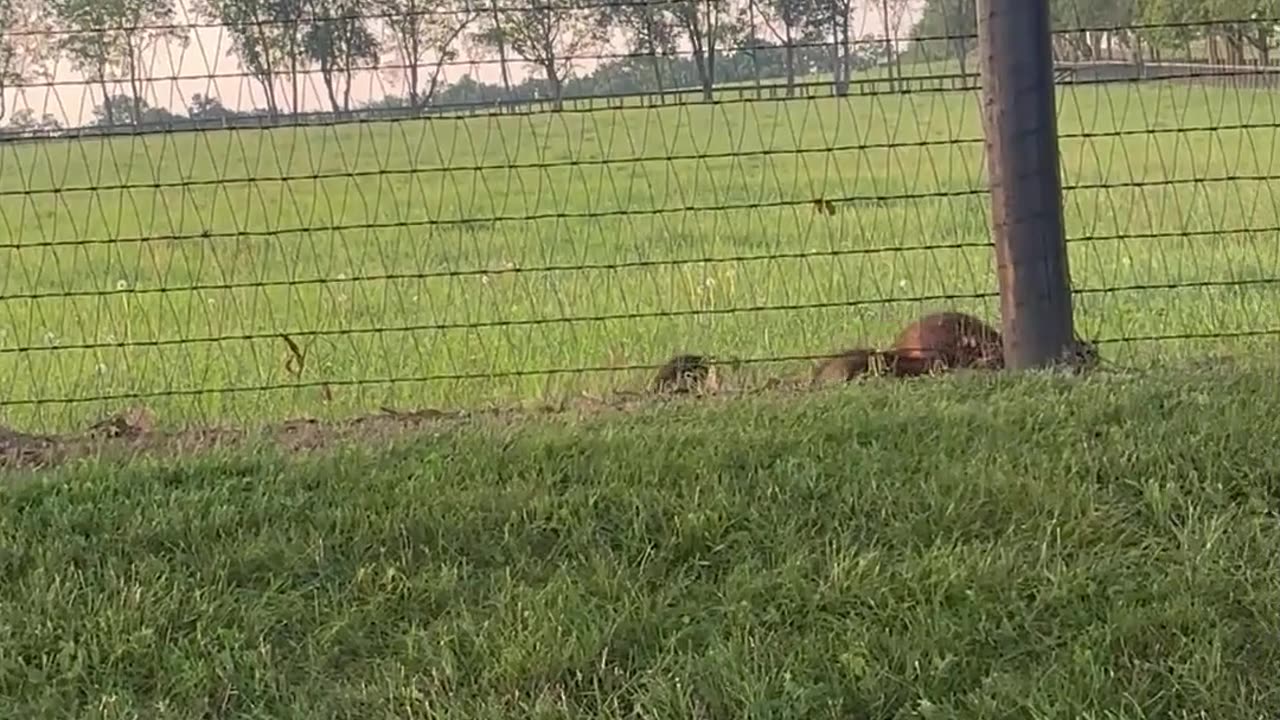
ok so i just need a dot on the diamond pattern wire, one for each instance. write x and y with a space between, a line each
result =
226 227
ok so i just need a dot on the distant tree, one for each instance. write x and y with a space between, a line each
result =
387 102
1255 29
791 22
707 25
1261 31
423 34
947 29
551 35
494 34
267 37
836 17
892 15
113 36
648 29
338 39
1084 27
1173 24
25 120
251 42
205 107
466 90
840 19
120 109
25 45
754 59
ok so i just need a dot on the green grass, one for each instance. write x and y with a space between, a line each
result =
1150 235
975 547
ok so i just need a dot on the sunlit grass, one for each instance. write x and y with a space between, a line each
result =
981 547
388 302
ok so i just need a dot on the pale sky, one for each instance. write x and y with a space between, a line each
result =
71 101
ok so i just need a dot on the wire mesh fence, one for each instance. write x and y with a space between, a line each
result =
245 210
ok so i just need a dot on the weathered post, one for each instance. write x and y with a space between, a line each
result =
1026 190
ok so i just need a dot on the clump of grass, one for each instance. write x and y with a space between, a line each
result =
975 547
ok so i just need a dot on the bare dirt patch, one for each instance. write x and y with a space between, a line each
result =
135 432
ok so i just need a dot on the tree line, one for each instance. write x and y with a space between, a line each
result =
1231 32
279 42
672 43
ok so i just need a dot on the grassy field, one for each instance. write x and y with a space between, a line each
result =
455 279
975 547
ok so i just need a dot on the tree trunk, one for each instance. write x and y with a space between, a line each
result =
411 57
837 64
415 100
265 71
653 52
502 50
414 53
435 81
657 67
268 88
846 53
1260 39
326 74
135 87
293 82
442 57
700 64
755 43
1235 47
107 105
888 43
709 83
556 83
790 61
697 46
1081 48
293 67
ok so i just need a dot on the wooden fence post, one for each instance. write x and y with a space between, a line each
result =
1021 130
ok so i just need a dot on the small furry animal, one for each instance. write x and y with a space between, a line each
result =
846 366
1083 356
686 373
958 340
855 363
954 340
904 365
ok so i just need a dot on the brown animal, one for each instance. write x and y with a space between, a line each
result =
958 340
900 364
1083 356
846 366
686 373
852 364
953 340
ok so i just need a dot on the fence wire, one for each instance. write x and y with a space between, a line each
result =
231 215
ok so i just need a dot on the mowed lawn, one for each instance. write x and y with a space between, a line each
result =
977 547
438 252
